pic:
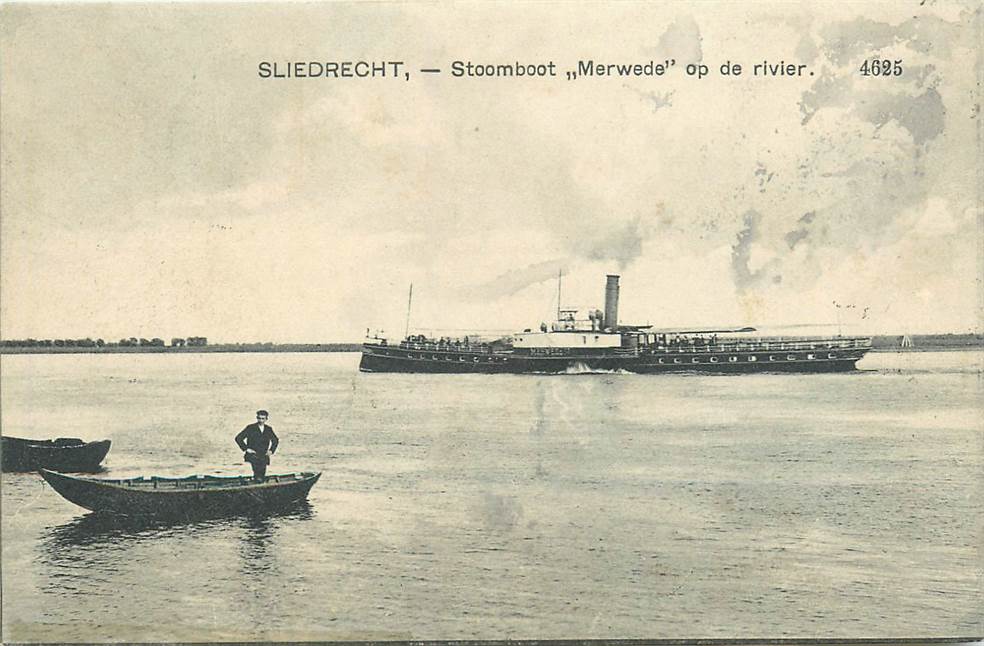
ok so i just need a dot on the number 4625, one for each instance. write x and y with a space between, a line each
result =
881 67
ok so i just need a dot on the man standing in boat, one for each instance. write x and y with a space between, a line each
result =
256 440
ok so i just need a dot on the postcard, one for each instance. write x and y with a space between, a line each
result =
491 321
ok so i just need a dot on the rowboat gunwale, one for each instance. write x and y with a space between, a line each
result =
215 483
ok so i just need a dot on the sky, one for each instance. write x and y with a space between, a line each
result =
153 185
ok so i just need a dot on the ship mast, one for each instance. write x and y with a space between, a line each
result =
560 274
406 331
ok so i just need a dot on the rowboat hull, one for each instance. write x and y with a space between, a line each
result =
195 496
65 455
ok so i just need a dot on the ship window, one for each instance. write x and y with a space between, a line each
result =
752 357
677 360
435 357
460 358
790 357
695 360
831 355
714 359
811 356
661 361
732 359
772 357
475 359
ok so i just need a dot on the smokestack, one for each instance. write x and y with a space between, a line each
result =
611 302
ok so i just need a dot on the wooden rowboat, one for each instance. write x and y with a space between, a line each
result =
63 454
193 496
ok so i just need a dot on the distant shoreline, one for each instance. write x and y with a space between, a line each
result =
214 348
940 343
926 342
942 348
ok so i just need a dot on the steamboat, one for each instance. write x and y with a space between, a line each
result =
598 343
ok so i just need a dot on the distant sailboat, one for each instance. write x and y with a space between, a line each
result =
906 342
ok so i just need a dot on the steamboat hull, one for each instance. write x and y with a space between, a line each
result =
381 358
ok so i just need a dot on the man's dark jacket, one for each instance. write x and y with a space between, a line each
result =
260 441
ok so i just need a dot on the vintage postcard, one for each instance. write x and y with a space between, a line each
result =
491 321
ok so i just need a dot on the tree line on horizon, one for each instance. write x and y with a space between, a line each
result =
156 342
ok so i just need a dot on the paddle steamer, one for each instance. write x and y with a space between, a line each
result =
598 343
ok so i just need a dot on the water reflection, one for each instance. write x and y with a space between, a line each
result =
259 530
91 558
264 556
96 555
256 547
98 531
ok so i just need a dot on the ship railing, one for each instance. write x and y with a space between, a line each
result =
767 345
434 346
819 342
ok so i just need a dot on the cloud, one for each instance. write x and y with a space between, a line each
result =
874 155
332 196
801 231
621 242
922 115
516 279
681 41
741 257
844 42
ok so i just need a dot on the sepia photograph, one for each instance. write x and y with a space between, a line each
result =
453 321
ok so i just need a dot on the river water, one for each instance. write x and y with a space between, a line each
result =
457 507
